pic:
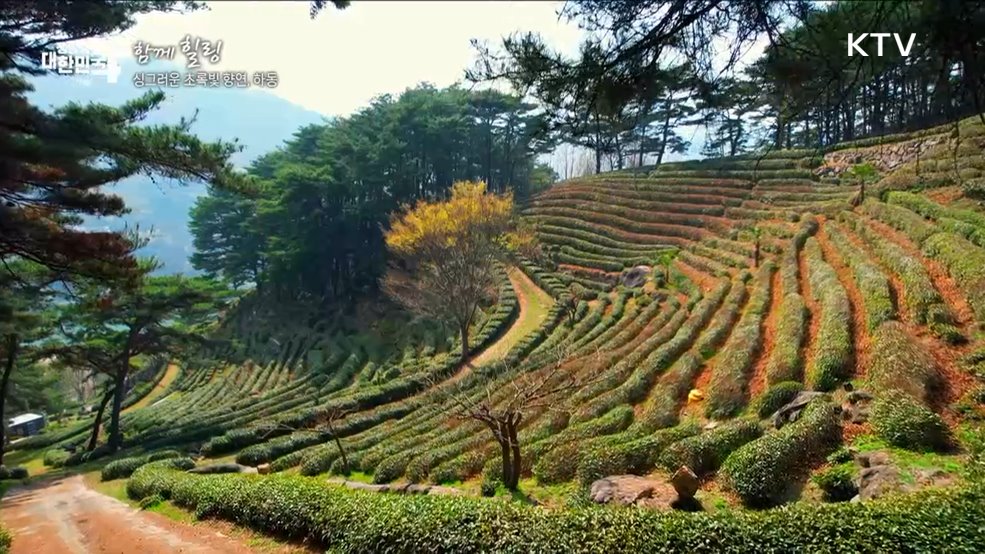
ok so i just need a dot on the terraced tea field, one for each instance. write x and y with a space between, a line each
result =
783 282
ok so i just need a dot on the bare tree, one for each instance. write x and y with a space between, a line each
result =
333 416
502 407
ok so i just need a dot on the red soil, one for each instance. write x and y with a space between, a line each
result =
948 288
945 195
956 382
851 430
704 281
859 329
757 382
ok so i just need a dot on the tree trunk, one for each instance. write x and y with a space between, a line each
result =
94 437
755 256
465 342
345 459
514 481
8 369
504 444
119 391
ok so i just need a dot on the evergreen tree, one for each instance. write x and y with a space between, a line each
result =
54 166
111 323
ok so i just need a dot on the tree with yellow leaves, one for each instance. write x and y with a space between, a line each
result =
445 254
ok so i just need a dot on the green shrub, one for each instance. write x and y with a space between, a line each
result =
828 362
836 482
164 455
637 456
900 362
458 469
732 367
777 396
762 471
16 472
902 421
840 456
123 467
5 540
55 458
704 453
343 520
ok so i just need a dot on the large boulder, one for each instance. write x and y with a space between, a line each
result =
626 490
635 276
877 481
685 482
621 489
791 411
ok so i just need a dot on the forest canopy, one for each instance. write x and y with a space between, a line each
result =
315 225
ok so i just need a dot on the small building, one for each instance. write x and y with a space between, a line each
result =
25 425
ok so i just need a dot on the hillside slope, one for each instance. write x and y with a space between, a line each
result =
787 278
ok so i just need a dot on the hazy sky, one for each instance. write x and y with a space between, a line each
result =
337 62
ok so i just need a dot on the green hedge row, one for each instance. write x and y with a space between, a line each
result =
723 322
662 408
638 385
535 457
777 396
912 225
270 450
762 471
458 469
706 452
872 283
727 390
344 520
965 262
900 362
124 467
658 318
928 208
829 361
635 456
920 294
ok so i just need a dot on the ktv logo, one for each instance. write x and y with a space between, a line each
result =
854 43
82 64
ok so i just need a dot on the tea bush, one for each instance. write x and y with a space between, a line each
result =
344 520
902 421
761 471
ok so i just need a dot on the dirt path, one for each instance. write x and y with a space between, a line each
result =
169 376
533 303
65 516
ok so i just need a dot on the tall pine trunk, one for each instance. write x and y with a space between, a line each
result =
115 433
94 437
8 369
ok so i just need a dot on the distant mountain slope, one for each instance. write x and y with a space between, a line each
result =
261 122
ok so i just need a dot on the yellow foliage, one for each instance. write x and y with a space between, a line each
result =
470 214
